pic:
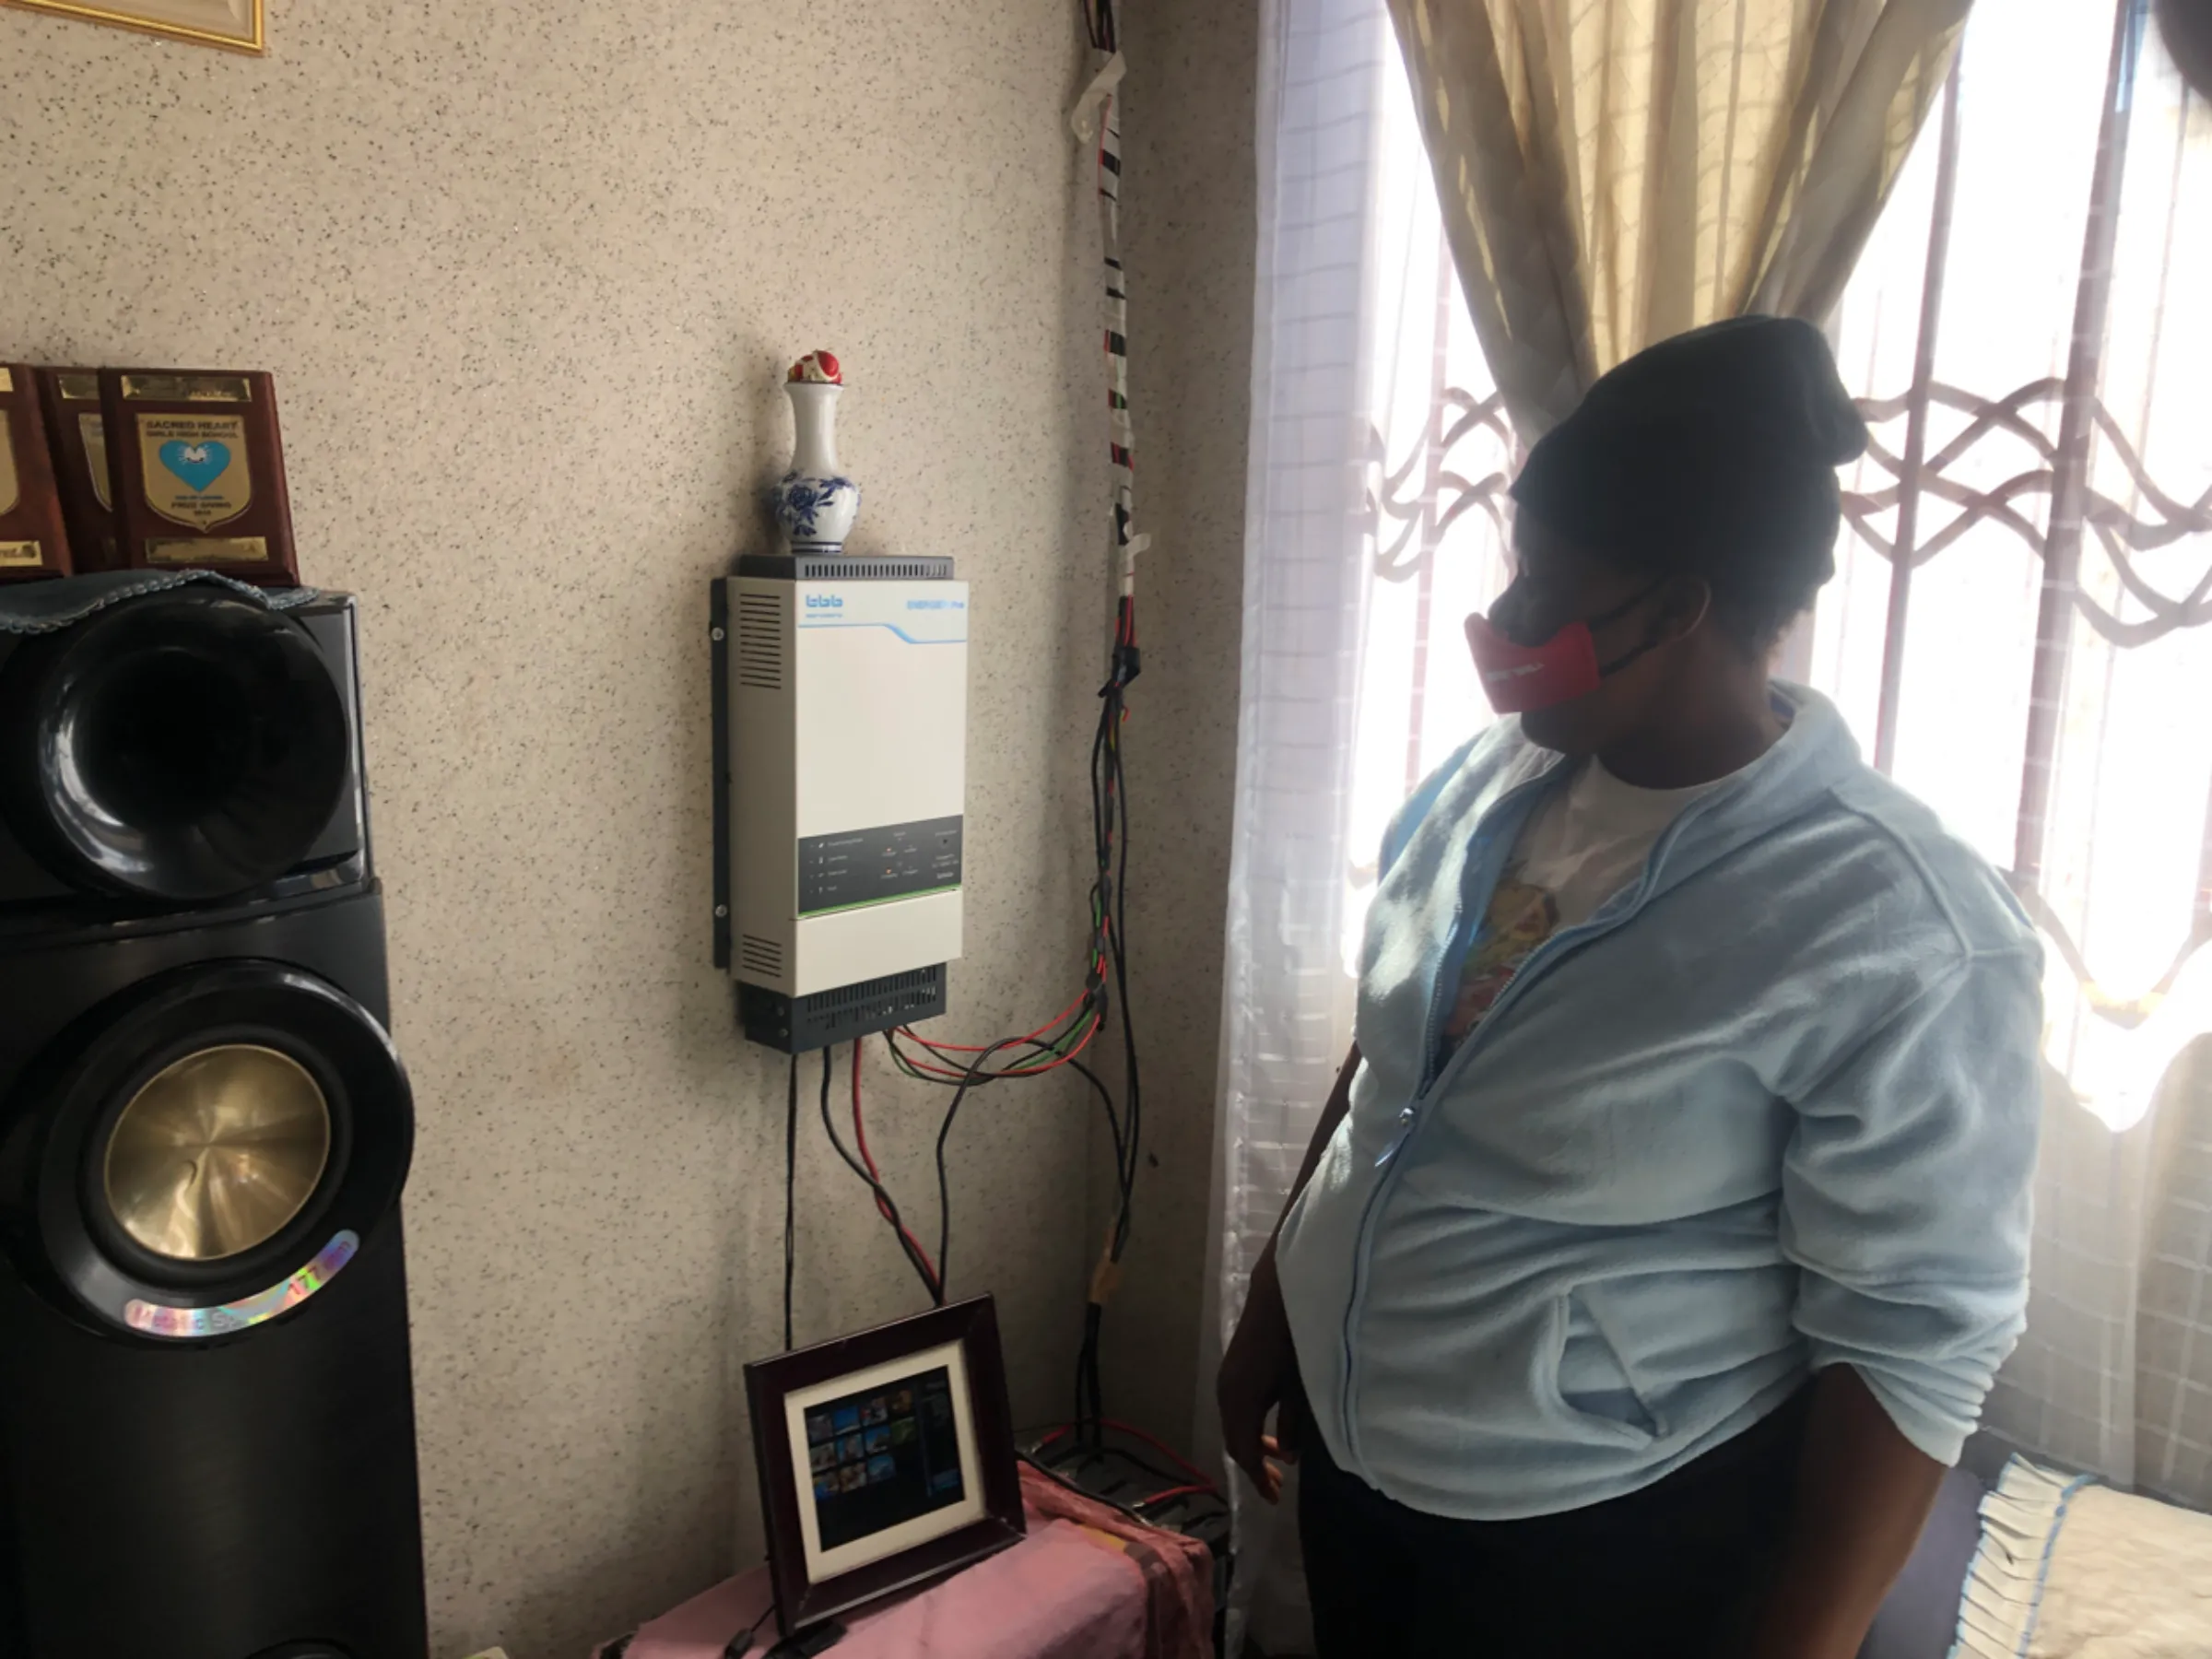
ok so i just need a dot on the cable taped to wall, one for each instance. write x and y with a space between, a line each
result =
1097 119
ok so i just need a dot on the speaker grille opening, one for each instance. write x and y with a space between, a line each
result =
185 746
217 1154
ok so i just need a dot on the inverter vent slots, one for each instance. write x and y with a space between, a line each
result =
869 569
760 628
817 566
763 956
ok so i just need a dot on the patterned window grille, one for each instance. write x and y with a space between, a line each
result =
2017 627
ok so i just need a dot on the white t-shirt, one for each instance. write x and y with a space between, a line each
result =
1582 845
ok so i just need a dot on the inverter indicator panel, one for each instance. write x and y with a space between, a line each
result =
854 867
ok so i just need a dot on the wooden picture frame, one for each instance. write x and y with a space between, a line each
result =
932 1487
233 25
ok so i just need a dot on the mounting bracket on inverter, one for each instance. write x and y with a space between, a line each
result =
840 718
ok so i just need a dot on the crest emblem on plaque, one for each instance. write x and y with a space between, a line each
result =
195 468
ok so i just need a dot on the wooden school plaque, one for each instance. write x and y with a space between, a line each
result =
78 437
33 542
198 473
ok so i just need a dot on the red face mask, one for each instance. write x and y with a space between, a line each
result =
1517 677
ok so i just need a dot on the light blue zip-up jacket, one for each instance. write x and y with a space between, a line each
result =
1772 1108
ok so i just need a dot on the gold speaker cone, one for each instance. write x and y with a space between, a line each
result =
218 1153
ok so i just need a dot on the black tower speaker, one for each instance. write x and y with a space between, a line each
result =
207 1424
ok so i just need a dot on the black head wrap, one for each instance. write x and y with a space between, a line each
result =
1712 454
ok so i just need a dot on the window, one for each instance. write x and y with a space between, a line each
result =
2026 331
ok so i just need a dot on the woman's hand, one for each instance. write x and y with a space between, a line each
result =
1259 1373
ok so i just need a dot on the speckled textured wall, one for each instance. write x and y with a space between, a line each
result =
525 275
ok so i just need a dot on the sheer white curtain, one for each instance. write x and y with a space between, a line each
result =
1325 68
1378 453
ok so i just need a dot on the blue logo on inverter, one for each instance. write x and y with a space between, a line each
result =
824 602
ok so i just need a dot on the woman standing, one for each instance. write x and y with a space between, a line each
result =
1670 1220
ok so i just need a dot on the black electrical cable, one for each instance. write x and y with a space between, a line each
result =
1106 977
1089 1399
1108 1454
976 1076
791 1179
1114 1127
1061 1480
741 1645
933 1284
1089 1405
908 1069
1109 823
1131 1510
1099 21
975 1073
1121 977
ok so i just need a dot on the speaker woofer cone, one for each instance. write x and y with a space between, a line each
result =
186 746
218 1153
292 1089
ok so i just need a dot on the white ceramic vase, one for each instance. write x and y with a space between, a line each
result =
815 502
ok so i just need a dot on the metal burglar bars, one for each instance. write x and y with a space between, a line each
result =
1923 491
2060 473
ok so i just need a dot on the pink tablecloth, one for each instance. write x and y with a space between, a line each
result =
1085 1584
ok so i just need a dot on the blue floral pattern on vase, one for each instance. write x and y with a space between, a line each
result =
815 512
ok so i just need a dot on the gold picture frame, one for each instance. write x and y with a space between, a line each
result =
232 25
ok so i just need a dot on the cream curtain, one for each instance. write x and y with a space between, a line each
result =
1615 172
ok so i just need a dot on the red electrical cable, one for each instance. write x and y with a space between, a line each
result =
1188 1467
952 1069
984 1048
1181 1492
883 1206
956 1076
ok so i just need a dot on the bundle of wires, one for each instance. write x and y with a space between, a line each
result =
1145 1479
1097 18
1117 1471
1061 1042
